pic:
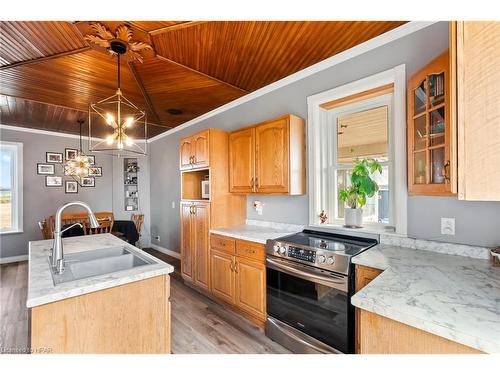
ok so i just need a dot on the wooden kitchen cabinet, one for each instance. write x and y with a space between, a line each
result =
187 259
363 276
239 275
269 158
432 155
476 60
195 224
250 284
242 161
223 278
194 151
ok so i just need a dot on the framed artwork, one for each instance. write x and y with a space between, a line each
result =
95 171
87 182
54 157
45 169
53 181
66 171
71 187
70 153
91 159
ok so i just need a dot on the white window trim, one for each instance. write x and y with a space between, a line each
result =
397 138
17 201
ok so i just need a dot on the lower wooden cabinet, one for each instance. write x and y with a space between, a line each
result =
195 224
251 286
238 275
223 279
364 275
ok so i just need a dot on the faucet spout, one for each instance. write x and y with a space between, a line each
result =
57 248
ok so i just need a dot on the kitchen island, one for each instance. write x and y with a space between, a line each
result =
124 311
434 303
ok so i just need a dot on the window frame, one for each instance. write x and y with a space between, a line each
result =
320 180
17 187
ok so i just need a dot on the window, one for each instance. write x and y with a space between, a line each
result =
11 176
363 119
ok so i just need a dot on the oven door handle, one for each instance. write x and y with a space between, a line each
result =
336 282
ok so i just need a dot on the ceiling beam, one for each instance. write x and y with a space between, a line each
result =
145 94
45 58
177 26
201 73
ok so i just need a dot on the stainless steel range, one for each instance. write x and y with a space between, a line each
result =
310 281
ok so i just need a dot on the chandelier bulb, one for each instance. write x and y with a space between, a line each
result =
129 122
109 140
110 119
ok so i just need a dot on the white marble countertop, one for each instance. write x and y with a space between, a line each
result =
258 231
451 296
41 289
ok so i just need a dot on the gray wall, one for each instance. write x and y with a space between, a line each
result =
476 223
40 201
144 198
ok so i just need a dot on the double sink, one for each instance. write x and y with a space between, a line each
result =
85 264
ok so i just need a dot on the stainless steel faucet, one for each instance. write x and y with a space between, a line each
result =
57 248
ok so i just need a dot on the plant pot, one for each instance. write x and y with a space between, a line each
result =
353 217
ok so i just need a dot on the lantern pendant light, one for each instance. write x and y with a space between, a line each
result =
124 123
79 167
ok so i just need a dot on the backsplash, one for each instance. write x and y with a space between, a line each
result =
437 247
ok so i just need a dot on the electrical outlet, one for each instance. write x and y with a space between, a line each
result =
157 238
173 204
448 226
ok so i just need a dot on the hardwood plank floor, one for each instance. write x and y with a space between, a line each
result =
199 325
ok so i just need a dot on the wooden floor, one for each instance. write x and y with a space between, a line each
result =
199 325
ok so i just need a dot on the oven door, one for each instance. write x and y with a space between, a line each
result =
310 300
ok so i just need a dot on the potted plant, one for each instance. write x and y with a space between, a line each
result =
362 186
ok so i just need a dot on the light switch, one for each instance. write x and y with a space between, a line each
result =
448 226
173 204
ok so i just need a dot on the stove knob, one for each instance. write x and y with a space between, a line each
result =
283 249
276 248
322 259
330 260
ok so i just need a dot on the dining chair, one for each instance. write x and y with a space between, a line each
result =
138 220
105 226
47 234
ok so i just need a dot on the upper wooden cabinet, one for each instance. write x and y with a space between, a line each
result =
432 160
475 46
268 158
242 160
194 151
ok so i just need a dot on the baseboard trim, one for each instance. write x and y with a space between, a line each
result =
166 251
18 258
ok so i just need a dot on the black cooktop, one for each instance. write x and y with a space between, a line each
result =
331 242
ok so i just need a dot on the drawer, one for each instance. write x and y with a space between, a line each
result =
222 243
251 250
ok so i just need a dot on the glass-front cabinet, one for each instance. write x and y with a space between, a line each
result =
431 131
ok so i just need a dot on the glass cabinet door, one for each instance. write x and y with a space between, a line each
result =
429 130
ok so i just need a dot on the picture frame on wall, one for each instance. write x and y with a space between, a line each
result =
53 181
91 159
87 182
54 157
45 169
70 153
95 171
71 187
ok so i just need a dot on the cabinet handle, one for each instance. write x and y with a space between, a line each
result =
257 182
231 266
194 159
252 183
250 251
236 267
446 167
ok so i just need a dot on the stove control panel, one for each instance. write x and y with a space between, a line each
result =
302 254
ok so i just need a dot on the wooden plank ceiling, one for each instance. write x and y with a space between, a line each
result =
49 73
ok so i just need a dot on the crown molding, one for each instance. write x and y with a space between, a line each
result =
388 37
44 132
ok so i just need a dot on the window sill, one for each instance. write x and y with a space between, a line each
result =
15 231
365 230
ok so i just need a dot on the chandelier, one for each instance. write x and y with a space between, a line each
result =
124 123
79 166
